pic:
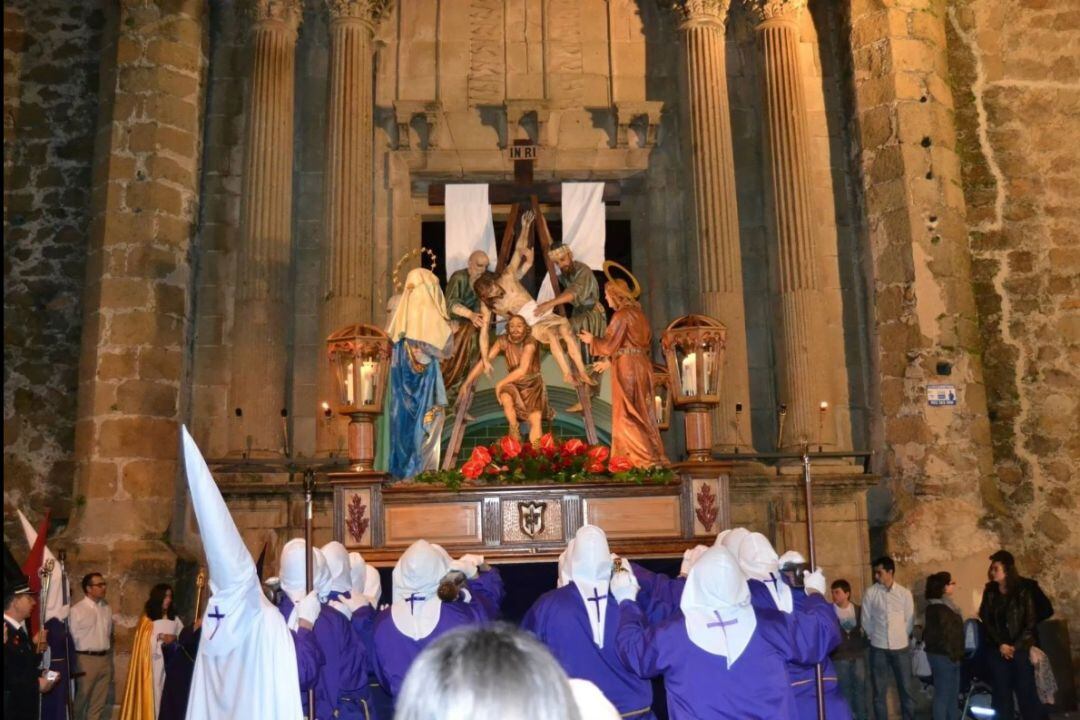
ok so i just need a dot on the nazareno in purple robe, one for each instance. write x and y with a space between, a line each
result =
379 703
558 618
179 667
62 651
341 690
309 658
802 675
395 651
702 685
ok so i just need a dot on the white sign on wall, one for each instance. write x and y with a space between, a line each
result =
938 395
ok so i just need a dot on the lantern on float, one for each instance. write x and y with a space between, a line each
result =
694 349
359 356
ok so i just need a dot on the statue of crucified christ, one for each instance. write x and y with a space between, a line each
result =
503 294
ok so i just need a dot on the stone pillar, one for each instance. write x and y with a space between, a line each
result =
716 207
260 323
136 320
804 375
348 280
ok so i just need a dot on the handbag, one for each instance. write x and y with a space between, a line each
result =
920 664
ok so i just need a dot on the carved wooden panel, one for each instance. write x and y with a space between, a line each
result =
635 517
443 523
357 520
549 529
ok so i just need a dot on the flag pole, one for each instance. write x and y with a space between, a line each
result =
309 498
43 603
65 595
819 678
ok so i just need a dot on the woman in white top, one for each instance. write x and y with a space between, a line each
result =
167 627
158 628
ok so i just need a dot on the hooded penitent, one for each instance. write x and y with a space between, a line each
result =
364 578
590 570
337 563
246 666
716 604
416 607
732 540
758 561
292 573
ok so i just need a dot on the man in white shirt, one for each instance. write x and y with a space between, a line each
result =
888 618
91 630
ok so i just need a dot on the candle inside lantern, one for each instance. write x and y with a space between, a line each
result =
708 357
349 392
658 403
367 382
689 374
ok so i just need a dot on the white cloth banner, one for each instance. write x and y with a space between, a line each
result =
469 226
583 229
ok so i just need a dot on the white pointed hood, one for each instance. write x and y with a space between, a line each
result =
416 607
246 666
732 540
55 607
589 560
759 561
716 605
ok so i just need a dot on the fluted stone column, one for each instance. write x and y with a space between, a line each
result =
259 336
804 377
347 274
716 207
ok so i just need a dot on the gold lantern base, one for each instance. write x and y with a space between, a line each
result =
697 423
361 435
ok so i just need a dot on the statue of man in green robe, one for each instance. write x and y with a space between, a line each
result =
465 319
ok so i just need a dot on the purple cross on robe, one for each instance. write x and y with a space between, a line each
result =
596 599
218 616
412 600
721 623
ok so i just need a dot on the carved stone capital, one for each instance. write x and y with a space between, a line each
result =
370 12
285 12
764 10
701 12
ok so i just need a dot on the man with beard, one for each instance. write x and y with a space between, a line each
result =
465 319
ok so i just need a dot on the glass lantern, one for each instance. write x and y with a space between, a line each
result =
661 396
694 349
360 357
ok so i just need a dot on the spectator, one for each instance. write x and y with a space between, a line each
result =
486 673
888 617
849 657
943 635
91 630
1009 617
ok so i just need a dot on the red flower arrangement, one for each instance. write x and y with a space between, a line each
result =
508 461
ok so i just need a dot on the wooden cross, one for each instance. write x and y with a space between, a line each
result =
517 194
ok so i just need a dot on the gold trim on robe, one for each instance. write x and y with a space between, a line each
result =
138 703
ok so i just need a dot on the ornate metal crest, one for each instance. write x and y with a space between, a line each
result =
531 517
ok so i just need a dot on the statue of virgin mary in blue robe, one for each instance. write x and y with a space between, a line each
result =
421 333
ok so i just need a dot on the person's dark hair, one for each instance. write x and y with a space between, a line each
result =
491 672
936 584
885 563
154 609
842 584
9 597
1004 557
88 579
484 284
1008 562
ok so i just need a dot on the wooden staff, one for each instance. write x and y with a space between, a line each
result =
46 580
309 532
65 590
819 678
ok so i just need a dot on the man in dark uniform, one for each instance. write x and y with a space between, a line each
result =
23 682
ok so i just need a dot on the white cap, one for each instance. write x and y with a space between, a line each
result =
757 558
733 540
357 573
337 563
55 607
416 607
792 557
292 568
716 604
589 559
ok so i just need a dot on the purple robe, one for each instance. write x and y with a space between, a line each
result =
62 651
802 675
700 684
659 595
395 652
309 657
380 704
179 667
341 690
559 618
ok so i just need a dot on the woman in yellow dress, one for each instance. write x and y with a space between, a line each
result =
158 628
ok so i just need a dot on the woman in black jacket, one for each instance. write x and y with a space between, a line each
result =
1008 616
943 634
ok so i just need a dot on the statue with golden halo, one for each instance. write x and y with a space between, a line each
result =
627 346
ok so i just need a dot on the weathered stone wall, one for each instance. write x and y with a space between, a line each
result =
1014 69
137 301
51 52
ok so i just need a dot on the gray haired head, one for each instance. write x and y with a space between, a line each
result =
493 672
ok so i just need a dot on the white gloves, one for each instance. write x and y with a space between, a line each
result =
308 608
468 564
690 557
624 586
348 605
814 581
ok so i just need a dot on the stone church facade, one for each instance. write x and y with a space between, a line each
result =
875 196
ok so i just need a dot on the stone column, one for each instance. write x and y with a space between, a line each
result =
803 368
716 207
347 273
260 323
